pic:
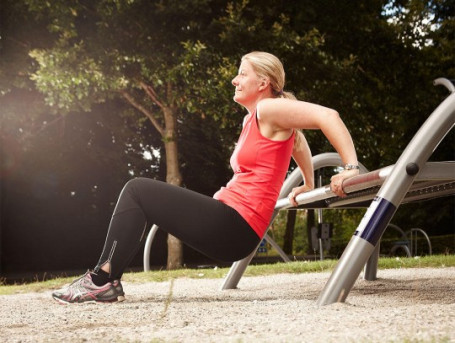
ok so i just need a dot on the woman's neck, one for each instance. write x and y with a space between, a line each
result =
253 105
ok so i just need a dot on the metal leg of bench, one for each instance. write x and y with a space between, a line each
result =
277 248
371 267
235 273
148 247
238 268
346 272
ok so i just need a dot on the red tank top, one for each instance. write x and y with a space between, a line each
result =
260 165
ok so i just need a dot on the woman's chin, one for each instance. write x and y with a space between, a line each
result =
237 99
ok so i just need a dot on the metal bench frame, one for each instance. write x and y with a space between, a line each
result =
411 178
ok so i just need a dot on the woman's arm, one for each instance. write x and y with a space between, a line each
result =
283 114
302 156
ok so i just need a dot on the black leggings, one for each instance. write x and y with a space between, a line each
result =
202 222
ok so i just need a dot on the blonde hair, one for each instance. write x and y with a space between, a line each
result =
269 66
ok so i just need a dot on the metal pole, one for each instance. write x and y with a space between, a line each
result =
235 273
321 252
385 204
277 248
371 267
148 247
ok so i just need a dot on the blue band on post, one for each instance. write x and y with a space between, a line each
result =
375 220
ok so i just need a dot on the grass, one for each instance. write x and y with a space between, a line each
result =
435 261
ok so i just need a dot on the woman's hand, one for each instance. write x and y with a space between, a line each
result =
296 191
336 181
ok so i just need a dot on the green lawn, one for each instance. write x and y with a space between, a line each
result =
435 261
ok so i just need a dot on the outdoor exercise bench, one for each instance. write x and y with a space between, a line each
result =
412 178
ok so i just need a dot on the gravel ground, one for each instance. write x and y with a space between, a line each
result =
403 305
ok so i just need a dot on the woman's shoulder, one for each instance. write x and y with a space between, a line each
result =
269 109
267 113
273 106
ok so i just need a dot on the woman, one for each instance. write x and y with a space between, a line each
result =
230 225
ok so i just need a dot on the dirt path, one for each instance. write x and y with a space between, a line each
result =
411 305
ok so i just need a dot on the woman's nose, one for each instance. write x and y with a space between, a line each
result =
234 81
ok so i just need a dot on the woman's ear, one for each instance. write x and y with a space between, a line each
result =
264 83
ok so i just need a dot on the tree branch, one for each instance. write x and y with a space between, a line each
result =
152 94
142 109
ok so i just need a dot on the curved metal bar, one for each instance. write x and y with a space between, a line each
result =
446 83
399 229
294 179
148 247
416 229
404 238
404 247
328 159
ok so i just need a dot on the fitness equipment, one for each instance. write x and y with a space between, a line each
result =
382 191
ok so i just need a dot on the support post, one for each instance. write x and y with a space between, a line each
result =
371 267
385 204
148 247
235 273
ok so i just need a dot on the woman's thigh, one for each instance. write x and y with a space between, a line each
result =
200 221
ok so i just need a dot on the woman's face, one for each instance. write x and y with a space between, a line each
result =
247 84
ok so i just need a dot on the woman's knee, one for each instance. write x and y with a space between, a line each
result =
132 189
135 183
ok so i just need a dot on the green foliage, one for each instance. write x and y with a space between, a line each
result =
372 61
71 80
301 241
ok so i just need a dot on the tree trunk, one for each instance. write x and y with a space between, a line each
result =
289 233
169 136
173 177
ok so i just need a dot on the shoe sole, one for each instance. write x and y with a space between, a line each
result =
120 298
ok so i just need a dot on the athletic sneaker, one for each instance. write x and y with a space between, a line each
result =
83 290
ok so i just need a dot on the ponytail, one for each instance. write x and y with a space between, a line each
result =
285 95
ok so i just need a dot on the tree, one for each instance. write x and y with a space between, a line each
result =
427 30
172 63
164 58
136 50
397 48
